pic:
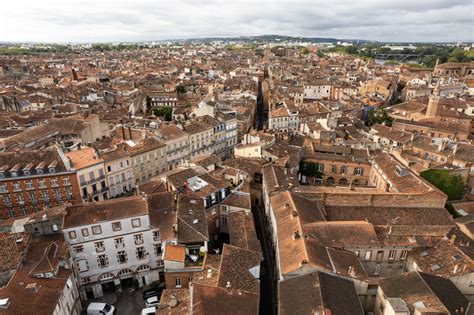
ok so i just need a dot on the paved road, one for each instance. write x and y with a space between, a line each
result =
267 284
127 303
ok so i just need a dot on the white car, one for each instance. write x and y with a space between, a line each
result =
152 301
100 309
149 311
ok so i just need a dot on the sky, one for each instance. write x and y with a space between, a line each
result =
148 20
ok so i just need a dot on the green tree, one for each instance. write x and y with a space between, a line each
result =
310 169
379 116
451 185
459 55
166 112
180 89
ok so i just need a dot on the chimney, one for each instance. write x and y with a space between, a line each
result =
173 301
455 148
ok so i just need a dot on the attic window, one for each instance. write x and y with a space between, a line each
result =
435 267
401 171
4 303
52 170
294 213
457 257
296 235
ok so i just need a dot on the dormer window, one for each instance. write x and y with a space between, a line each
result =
14 174
52 170
39 171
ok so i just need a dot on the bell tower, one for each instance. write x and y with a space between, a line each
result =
434 106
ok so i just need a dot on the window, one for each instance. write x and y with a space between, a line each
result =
404 255
333 169
96 229
356 252
122 257
138 238
44 195
20 199
99 246
136 222
156 236
16 187
116 226
178 282
32 196
72 234
78 248
140 252
119 243
42 183
224 221
158 250
368 255
85 232
54 182
3 188
343 169
66 181
102 261
82 265
57 193
379 255
391 254
358 171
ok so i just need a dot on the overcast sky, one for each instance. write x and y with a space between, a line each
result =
145 20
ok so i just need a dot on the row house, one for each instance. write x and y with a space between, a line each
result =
90 172
111 244
177 144
317 90
219 135
31 181
339 165
201 138
284 119
119 171
147 159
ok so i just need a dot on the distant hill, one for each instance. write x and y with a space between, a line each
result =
267 39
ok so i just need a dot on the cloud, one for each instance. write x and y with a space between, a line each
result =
145 20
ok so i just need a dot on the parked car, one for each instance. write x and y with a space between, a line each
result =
100 309
149 311
154 291
152 301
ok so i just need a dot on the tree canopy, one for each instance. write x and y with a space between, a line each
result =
451 185
379 116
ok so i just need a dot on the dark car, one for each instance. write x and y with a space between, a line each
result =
154 291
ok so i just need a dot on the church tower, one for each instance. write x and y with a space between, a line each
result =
434 105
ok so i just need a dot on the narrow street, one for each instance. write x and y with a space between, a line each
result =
267 283
260 111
